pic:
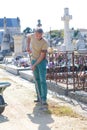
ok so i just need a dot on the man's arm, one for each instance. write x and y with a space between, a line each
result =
41 57
28 44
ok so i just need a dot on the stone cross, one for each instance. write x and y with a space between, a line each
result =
67 38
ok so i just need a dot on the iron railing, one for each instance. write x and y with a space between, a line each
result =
68 68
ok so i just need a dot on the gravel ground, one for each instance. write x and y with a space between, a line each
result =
22 114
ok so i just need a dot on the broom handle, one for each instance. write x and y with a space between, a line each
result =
38 93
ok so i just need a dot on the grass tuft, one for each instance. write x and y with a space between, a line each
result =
61 111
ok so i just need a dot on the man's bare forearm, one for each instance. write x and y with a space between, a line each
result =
28 43
41 57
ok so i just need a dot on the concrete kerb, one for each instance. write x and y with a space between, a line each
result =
61 89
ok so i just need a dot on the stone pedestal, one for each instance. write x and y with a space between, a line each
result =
18 44
24 43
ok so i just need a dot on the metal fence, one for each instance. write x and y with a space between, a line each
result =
68 68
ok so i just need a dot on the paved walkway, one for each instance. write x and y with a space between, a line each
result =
22 114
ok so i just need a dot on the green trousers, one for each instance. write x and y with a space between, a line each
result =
40 77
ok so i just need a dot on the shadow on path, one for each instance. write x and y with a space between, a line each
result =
3 119
41 117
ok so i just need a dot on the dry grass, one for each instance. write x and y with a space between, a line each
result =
59 110
6 79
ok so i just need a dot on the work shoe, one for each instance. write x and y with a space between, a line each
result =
37 100
44 103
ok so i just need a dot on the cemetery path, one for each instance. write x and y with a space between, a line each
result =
22 114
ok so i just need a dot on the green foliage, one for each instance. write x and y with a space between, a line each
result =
27 30
57 33
76 32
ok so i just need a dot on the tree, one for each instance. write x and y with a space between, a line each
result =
27 30
76 33
57 33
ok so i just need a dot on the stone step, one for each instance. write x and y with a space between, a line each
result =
27 74
15 70
80 96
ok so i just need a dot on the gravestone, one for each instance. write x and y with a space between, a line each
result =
18 44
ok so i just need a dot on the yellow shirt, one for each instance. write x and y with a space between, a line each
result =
37 46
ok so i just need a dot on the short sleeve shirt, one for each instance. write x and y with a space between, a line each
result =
37 46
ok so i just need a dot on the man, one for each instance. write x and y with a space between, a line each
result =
39 49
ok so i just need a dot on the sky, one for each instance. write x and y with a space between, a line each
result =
48 11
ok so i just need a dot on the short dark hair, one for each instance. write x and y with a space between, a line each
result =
39 30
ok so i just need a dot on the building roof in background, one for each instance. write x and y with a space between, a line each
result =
82 30
10 22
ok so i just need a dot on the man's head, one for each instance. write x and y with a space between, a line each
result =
38 33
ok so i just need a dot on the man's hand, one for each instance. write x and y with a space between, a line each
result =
29 51
33 67
28 45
